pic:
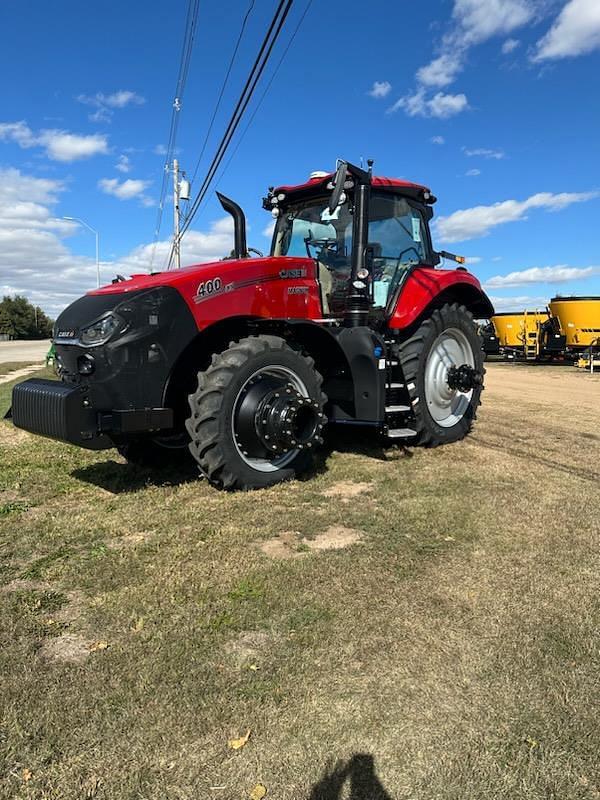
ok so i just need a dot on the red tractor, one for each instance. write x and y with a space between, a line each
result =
244 361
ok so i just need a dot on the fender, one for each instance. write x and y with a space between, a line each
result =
426 285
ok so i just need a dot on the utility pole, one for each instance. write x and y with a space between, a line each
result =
176 242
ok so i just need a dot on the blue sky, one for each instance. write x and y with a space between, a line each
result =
492 103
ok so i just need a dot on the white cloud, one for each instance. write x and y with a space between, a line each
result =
510 45
123 164
437 140
558 274
380 89
65 146
105 103
483 152
440 106
473 22
518 304
125 190
122 98
160 150
575 31
36 262
442 71
473 223
480 20
59 145
472 173
18 132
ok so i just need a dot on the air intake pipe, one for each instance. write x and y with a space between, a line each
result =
240 249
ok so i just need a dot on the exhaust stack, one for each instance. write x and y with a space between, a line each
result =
240 249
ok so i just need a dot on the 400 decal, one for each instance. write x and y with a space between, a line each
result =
210 288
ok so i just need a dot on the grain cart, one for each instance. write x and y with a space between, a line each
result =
243 361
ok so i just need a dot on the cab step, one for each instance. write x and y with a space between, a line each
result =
401 433
396 409
395 385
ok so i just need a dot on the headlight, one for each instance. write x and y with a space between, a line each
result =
100 331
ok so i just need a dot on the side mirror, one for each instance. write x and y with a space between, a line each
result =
340 180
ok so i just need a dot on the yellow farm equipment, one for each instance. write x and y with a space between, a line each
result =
529 334
579 319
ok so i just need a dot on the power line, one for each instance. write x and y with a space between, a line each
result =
268 86
256 72
184 66
225 80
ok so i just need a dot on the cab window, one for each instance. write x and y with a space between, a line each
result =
397 239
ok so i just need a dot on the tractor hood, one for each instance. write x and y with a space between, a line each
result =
120 296
180 277
193 285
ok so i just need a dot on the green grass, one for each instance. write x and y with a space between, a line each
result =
451 653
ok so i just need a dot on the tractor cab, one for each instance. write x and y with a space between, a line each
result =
382 230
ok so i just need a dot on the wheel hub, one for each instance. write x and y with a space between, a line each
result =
274 419
286 420
463 378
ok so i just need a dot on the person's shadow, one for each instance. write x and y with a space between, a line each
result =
358 774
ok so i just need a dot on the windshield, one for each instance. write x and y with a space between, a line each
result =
397 240
309 230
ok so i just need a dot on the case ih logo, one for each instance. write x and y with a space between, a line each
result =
66 335
292 273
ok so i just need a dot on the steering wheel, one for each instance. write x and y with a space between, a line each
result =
328 246
254 250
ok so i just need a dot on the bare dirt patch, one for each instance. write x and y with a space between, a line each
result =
21 373
129 540
248 647
285 545
346 490
68 649
334 538
291 544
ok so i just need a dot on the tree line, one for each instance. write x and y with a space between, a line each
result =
20 319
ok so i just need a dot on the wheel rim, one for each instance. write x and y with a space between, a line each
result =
447 406
273 410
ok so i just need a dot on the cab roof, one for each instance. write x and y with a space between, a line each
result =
394 185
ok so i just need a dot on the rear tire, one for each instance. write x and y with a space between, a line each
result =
257 380
446 339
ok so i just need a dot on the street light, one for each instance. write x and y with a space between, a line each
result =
97 235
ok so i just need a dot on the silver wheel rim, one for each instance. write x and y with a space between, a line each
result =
280 462
447 406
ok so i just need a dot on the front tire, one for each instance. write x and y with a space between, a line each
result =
257 414
443 369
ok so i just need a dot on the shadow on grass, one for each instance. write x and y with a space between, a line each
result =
361 441
355 779
120 478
